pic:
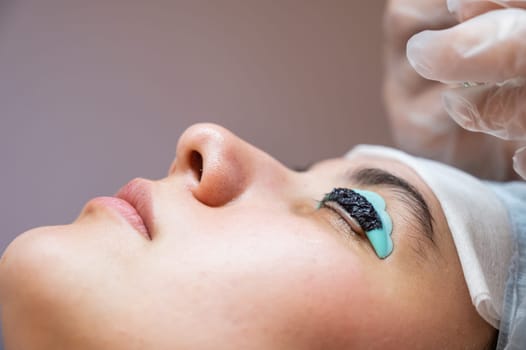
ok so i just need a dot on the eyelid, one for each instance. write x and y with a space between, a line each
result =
368 208
354 225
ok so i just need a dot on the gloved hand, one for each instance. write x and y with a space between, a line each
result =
420 122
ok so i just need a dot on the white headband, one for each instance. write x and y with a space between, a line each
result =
478 222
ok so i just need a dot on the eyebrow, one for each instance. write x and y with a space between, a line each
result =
408 194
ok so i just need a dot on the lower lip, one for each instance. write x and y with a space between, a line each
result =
125 210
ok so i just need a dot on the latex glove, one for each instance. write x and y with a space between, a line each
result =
488 48
419 122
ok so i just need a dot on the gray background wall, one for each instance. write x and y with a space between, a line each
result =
94 93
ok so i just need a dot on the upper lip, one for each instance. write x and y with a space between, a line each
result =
138 193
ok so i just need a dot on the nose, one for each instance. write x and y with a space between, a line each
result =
217 165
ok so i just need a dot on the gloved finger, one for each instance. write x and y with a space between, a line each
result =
497 109
466 9
421 125
487 48
403 18
519 162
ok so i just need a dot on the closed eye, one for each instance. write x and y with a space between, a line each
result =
349 220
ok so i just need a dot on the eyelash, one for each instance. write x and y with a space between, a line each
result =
344 217
330 201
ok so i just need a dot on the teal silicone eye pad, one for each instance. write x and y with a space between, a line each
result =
368 208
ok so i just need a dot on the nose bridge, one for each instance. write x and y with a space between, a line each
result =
219 166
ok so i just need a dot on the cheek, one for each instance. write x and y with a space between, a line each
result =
332 300
297 285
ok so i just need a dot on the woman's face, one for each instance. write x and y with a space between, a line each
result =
229 251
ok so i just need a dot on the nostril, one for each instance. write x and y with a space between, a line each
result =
196 164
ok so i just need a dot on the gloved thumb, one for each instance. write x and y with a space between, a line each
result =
519 162
496 109
487 48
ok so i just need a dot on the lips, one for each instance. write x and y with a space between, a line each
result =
138 194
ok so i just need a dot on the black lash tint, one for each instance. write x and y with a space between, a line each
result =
356 205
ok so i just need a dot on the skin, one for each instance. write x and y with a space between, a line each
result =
240 259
